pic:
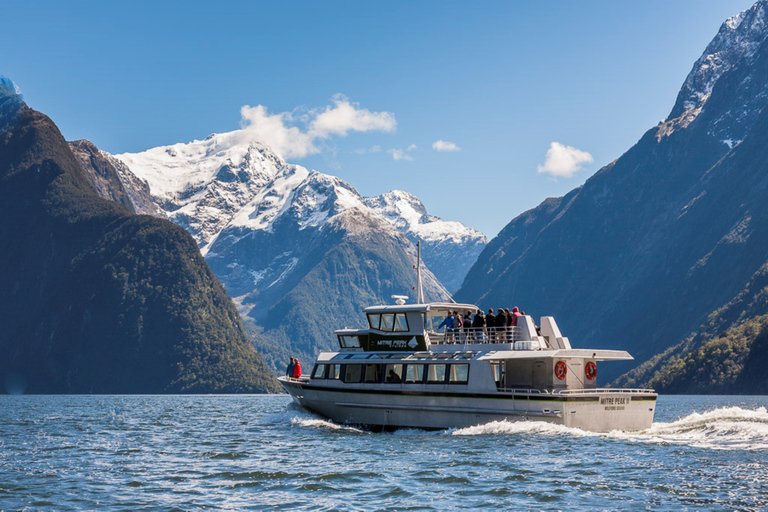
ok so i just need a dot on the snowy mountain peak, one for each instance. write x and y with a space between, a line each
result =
407 213
735 43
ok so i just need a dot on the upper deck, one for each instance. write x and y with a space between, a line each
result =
426 327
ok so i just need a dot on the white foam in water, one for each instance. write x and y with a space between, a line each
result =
302 418
724 428
519 427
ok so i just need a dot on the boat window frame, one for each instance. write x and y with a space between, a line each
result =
392 366
343 341
378 320
387 322
435 366
346 372
319 366
408 365
377 369
451 371
399 328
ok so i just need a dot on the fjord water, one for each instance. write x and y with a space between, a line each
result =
261 452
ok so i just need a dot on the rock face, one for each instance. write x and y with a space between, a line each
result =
449 248
96 299
676 228
301 251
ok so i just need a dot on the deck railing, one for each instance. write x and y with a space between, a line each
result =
602 390
521 391
472 335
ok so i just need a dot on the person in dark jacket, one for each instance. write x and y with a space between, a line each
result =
490 322
467 324
478 325
289 368
501 326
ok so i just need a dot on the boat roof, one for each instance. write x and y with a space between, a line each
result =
439 306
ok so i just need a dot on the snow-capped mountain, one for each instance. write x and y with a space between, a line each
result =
734 50
287 242
449 248
668 236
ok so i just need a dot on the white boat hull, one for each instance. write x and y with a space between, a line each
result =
371 405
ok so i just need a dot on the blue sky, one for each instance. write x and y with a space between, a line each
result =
501 81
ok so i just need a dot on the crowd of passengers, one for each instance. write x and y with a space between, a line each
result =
480 327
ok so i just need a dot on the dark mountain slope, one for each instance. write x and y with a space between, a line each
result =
639 256
95 299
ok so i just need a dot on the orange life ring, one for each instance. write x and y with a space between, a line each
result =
560 370
591 370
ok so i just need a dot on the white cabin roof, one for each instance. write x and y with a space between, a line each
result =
405 308
597 355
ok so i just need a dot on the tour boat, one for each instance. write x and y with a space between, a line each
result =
406 370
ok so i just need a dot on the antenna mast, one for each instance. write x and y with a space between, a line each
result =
419 289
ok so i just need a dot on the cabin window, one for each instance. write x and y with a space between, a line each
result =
401 323
333 371
436 374
319 371
414 374
394 373
459 374
388 322
353 373
373 373
373 320
349 341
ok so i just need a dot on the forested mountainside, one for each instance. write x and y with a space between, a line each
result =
301 251
96 299
657 242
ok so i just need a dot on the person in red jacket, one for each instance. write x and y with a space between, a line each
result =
296 369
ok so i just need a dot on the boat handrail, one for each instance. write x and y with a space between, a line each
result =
472 335
299 379
603 390
521 391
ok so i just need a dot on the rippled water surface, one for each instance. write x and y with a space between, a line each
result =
259 452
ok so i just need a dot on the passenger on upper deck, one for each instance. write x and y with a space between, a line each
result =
515 314
449 322
490 322
501 326
467 323
478 325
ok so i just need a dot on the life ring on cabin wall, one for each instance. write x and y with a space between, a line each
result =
560 370
591 370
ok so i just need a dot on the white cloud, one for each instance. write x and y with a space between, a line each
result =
363 151
281 133
286 141
564 161
411 147
444 145
344 117
399 154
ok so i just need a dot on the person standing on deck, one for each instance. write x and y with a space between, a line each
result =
478 325
501 325
467 326
296 369
289 368
490 322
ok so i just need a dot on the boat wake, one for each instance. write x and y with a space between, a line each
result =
724 428
301 418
